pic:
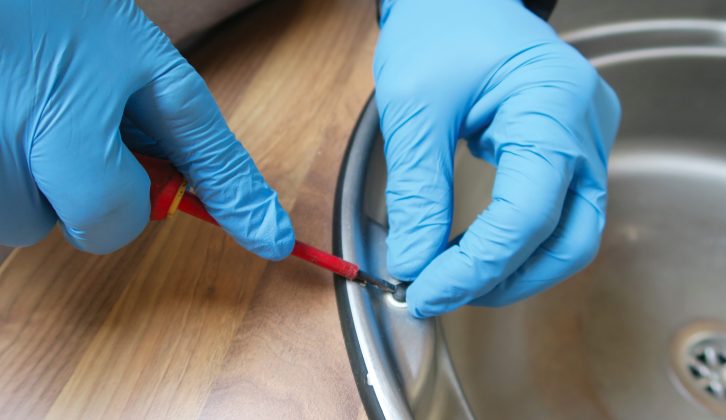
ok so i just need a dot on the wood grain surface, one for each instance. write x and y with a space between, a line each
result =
183 323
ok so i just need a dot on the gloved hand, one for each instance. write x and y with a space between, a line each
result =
70 72
493 73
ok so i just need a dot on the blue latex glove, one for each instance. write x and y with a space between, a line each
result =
493 73
70 72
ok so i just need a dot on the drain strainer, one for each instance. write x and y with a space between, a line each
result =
698 364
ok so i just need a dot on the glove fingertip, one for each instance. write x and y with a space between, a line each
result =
417 303
283 242
123 225
414 312
268 233
108 209
447 283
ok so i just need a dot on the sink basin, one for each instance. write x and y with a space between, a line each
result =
640 333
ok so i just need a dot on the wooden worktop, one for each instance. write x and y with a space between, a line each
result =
184 323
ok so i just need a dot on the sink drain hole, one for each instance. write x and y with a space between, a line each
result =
698 361
709 368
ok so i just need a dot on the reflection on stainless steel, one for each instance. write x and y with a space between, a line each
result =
600 345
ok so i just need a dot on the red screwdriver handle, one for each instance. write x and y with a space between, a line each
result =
191 205
167 186
168 194
325 260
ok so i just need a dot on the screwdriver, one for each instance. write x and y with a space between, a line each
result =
168 194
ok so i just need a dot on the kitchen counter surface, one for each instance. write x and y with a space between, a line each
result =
184 323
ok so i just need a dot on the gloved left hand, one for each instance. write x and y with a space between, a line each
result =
492 72
83 79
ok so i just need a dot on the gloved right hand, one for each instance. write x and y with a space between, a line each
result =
71 73
492 72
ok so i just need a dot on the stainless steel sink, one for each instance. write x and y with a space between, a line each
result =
641 333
